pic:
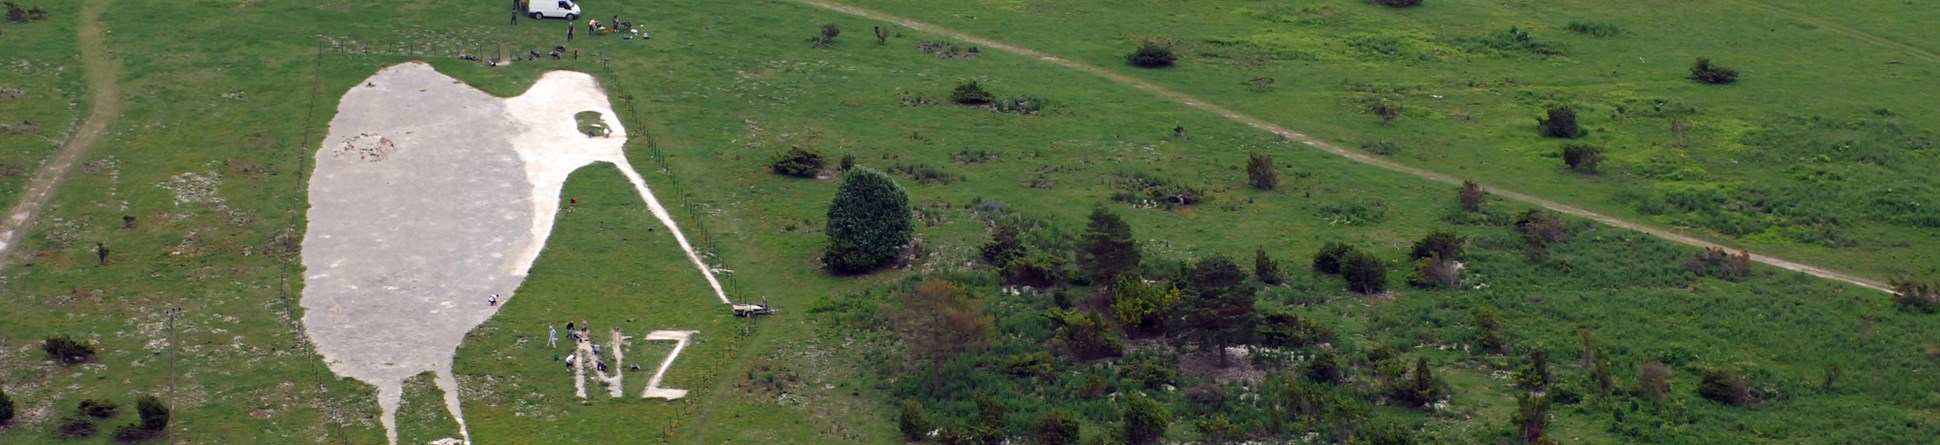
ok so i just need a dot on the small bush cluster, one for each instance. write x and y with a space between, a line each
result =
798 162
17 14
1396 3
1515 40
947 50
1917 296
1719 263
65 350
1143 189
1353 213
1382 147
1704 71
1026 105
1152 55
1726 387
925 173
971 93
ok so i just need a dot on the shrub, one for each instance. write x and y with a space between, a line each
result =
1037 269
1142 306
1331 256
1005 245
1086 334
1594 28
1719 263
1488 330
1057 428
1536 375
1532 419
1396 3
134 432
6 407
1541 227
1422 390
1654 378
1434 272
65 350
154 414
869 222
914 421
1471 196
1144 420
1388 108
1515 40
17 14
1025 105
1149 371
1726 387
1260 172
1365 274
74 426
1560 123
1582 158
1285 328
971 93
1382 147
1151 55
1325 368
1445 244
827 37
1704 71
99 409
1266 268
1917 296
1220 430
798 162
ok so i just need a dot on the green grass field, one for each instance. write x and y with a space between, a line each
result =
224 100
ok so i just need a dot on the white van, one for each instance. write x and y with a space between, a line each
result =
540 9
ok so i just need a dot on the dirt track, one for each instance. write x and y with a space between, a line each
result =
102 110
1195 102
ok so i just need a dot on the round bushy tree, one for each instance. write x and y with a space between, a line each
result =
869 222
1329 259
1364 273
1582 158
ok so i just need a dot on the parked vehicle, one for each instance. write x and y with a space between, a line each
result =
540 9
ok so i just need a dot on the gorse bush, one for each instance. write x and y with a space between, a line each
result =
1704 71
914 421
1726 387
798 162
971 93
1559 123
1151 55
1917 296
154 414
1330 257
99 409
1582 158
65 350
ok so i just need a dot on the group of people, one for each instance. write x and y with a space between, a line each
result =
580 334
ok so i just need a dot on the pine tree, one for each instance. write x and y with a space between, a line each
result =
914 421
869 222
1109 249
1218 309
1145 420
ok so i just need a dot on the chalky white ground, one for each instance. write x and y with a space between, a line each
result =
403 248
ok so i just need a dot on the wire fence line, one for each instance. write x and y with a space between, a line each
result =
709 244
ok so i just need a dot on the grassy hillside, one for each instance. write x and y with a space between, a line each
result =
226 99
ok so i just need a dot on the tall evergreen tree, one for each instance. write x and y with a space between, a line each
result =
1217 311
869 222
1109 249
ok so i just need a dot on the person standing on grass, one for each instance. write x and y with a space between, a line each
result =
569 30
101 253
552 336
